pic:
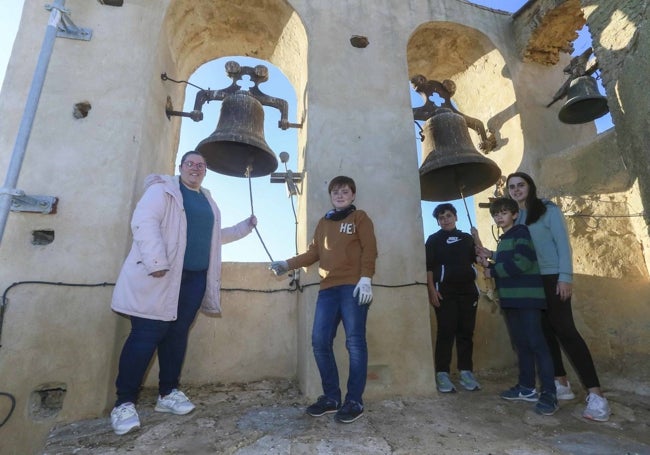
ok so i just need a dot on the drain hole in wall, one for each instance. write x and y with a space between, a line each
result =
42 237
81 110
47 401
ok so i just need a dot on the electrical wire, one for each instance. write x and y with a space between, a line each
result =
4 301
104 284
11 409
3 304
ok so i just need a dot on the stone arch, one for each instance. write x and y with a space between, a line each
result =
196 32
485 91
202 30
446 50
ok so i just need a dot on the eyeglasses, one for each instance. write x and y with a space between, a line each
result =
193 165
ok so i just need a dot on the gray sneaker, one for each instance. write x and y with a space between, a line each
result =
443 382
564 392
468 381
124 418
597 408
176 403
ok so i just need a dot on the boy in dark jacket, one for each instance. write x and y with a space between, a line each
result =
521 294
453 294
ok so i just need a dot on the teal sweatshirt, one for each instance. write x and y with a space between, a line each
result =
551 241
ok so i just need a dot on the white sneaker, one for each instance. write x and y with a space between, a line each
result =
597 408
124 418
176 403
564 392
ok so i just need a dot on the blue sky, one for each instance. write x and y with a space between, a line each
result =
271 204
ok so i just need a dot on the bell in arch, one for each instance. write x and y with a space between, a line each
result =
237 147
452 167
584 102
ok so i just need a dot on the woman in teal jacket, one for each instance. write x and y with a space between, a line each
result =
550 237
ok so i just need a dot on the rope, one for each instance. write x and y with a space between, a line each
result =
250 193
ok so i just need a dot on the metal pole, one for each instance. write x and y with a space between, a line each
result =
29 114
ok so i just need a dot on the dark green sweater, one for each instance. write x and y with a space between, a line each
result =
516 271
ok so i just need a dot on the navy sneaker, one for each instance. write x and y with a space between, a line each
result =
547 404
520 393
349 412
323 405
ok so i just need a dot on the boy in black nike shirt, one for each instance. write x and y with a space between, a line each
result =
453 294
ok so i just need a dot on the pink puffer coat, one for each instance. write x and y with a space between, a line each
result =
159 230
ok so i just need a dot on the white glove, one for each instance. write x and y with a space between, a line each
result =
279 267
364 290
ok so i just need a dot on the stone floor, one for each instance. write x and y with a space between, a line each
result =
268 417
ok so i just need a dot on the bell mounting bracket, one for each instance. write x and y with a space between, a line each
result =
65 28
235 71
445 90
21 202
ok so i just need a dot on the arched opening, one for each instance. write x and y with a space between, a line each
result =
580 45
484 91
442 50
271 203
202 36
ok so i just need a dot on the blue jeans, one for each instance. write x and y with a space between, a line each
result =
169 337
525 326
333 306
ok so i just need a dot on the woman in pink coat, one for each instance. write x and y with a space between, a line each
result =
172 270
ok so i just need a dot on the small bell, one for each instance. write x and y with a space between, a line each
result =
584 102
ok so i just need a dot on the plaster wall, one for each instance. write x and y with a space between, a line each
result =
357 120
621 43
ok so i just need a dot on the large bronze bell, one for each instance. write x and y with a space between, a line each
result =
237 147
584 102
452 167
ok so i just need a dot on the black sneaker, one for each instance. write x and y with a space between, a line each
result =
349 412
323 405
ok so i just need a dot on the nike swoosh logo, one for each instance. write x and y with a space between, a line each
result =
451 240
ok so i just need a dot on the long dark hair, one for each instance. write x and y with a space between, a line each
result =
535 207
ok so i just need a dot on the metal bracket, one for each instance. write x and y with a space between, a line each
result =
20 202
445 90
290 178
197 116
235 71
67 29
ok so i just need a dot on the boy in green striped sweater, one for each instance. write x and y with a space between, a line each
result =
521 295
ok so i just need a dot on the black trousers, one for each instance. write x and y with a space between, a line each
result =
456 317
560 330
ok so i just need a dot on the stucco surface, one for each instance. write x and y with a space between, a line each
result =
267 417
61 338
